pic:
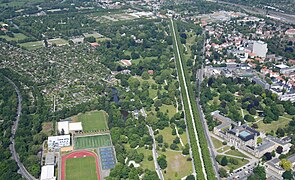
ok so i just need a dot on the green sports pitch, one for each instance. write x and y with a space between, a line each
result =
81 168
92 141
92 121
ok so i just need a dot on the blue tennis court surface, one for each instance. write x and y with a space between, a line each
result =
107 158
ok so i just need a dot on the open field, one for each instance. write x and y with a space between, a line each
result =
146 164
178 166
92 141
224 148
58 41
92 121
229 166
103 39
81 168
236 153
81 165
169 109
281 123
217 144
17 36
19 3
167 135
32 45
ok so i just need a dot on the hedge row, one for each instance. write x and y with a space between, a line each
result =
201 135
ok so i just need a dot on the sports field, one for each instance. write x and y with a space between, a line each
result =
81 165
92 141
32 45
58 41
92 121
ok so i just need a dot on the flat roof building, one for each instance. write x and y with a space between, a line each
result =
47 173
50 158
69 127
63 125
75 127
59 141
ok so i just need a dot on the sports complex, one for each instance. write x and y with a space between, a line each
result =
92 154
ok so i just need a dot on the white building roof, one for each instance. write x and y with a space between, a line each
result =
63 125
76 126
282 66
47 173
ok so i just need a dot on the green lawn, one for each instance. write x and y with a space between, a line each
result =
229 166
81 169
236 153
153 93
224 148
281 123
103 39
59 41
136 61
146 164
178 166
170 109
183 137
92 141
17 36
32 45
92 121
216 142
167 135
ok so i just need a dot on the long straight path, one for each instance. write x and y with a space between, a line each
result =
23 171
182 75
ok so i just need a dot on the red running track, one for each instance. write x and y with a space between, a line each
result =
78 154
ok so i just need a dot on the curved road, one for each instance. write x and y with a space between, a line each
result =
23 171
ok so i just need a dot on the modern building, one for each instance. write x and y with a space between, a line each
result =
47 173
75 127
259 48
66 127
63 126
59 141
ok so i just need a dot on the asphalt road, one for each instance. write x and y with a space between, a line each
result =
22 170
188 98
155 154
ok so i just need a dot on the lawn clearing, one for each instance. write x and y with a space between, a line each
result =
58 41
229 166
81 168
236 153
167 135
32 45
169 109
222 149
217 144
92 141
178 166
17 36
146 164
281 123
92 121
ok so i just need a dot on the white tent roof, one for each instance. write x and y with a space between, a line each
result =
75 126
